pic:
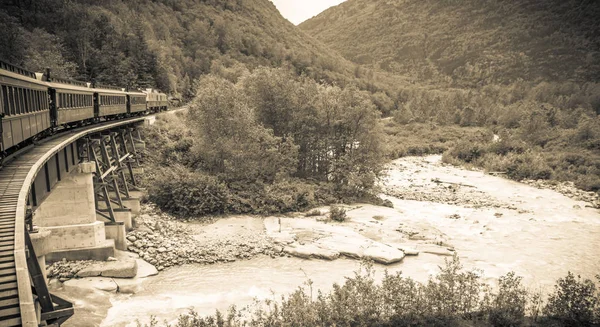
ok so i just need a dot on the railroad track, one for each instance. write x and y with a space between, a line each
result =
17 300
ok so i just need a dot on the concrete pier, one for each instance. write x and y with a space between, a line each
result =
69 214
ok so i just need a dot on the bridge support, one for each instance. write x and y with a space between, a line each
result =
69 214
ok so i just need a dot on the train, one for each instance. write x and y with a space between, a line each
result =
36 105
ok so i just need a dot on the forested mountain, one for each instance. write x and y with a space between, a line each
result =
467 42
164 43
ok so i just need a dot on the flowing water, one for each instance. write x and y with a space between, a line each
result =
540 234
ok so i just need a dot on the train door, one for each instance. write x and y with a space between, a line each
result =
52 97
96 106
129 97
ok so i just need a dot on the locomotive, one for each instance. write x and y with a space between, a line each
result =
34 105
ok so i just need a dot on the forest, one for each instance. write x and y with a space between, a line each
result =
166 44
526 71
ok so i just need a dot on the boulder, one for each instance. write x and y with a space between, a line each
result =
383 254
145 269
120 268
311 251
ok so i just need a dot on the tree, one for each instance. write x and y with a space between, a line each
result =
46 51
232 144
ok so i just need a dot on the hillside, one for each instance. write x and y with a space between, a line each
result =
467 42
162 43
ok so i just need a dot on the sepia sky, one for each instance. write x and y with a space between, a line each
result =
297 11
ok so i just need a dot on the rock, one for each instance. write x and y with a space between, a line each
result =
122 269
162 249
311 251
100 283
407 249
387 203
384 254
111 259
131 238
434 249
145 269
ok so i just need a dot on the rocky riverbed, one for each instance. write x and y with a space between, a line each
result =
164 242
493 224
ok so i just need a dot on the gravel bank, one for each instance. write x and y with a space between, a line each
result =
164 242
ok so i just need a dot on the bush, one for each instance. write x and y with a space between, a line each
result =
337 214
187 193
313 213
574 302
508 308
467 151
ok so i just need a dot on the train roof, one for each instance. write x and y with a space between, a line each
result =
136 92
18 73
59 84
152 91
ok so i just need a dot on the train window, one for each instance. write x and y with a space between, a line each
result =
5 99
32 104
11 101
26 100
26 103
21 101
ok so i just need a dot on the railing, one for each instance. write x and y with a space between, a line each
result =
16 69
108 87
68 81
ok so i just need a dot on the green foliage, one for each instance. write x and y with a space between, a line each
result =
574 302
337 214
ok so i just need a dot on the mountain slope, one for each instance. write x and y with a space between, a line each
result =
467 42
164 43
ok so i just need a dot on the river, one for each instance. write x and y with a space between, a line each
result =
493 224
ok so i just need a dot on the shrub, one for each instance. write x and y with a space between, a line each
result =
337 214
467 151
313 213
573 302
508 308
187 193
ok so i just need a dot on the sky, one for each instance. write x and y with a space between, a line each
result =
297 11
